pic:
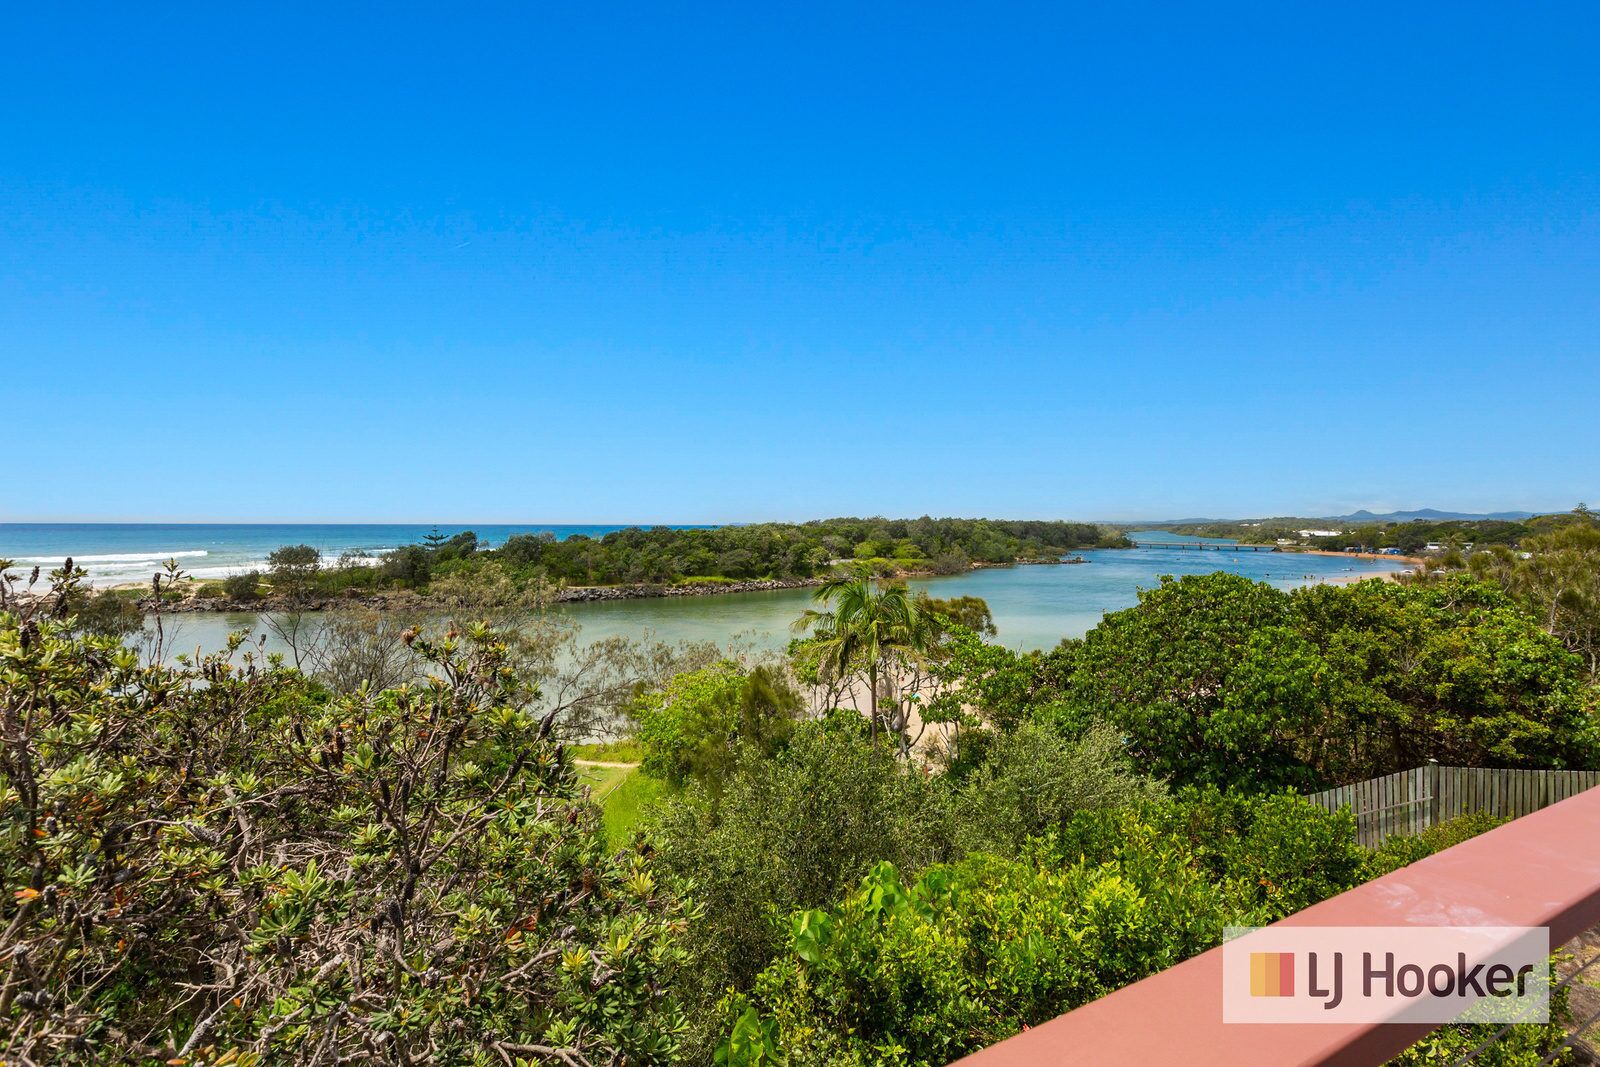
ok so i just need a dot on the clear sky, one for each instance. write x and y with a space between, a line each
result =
584 262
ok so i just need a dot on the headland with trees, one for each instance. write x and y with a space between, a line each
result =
642 561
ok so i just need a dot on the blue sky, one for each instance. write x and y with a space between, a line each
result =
599 263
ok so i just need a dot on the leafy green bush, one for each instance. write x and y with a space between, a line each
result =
106 613
1521 1045
1033 780
217 864
1398 851
699 723
242 586
293 570
970 954
795 831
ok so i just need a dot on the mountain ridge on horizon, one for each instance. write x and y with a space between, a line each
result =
1363 515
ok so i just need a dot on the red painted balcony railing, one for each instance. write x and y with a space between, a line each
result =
1540 870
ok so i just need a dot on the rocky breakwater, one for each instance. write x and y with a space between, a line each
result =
405 600
580 594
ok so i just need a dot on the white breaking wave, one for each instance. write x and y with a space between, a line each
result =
222 571
123 557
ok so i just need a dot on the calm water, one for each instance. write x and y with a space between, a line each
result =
1034 607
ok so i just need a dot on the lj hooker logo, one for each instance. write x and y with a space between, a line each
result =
1378 974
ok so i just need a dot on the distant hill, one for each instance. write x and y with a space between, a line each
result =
1421 514
1431 515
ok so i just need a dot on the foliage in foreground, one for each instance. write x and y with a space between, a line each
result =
794 831
919 972
972 952
214 864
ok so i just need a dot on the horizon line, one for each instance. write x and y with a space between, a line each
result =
645 523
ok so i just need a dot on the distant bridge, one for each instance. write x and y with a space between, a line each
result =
1205 546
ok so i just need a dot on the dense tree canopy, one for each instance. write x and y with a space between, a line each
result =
1215 678
1557 578
701 723
662 554
1409 537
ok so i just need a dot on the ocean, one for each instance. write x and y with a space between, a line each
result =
117 553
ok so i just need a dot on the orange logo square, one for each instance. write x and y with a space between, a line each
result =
1272 974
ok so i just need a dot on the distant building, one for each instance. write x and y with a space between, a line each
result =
1319 533
1433 546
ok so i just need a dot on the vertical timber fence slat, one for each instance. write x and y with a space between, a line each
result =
1411 801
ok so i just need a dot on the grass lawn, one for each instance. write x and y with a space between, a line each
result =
624 794
624 751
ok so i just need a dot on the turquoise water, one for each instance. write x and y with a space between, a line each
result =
115 553
1034 607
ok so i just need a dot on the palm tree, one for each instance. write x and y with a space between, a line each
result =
871 625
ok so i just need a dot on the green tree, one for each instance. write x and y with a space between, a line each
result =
872 628
410 566
702 722
1162 672
1217 679
104 613
293 570
969 611
242 586
1557 578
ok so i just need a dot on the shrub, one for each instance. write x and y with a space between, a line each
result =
1279 851
410 566
699 723
795 831
107 613
1033 780
217 864
242 586
1401 850
970 954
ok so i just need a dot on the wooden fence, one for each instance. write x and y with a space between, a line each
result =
1408 802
